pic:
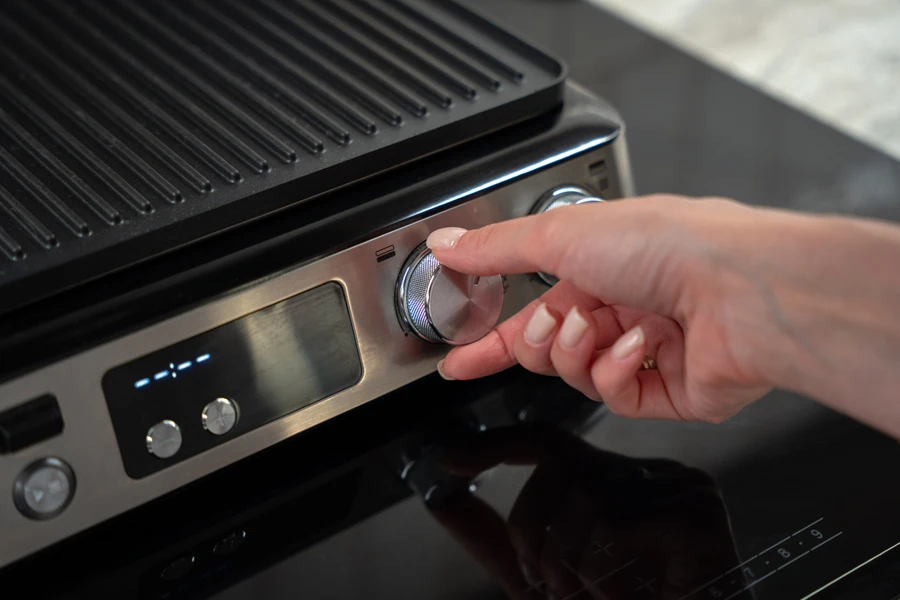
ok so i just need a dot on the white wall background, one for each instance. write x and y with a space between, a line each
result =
837 59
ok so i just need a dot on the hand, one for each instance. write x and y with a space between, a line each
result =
589 523
645 276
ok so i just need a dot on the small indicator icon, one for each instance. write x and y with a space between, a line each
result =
385 253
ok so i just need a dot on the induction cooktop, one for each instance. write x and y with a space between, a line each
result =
525 491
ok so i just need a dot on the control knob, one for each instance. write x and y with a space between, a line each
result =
569 195
440 305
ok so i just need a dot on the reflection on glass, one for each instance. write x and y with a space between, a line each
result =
591 524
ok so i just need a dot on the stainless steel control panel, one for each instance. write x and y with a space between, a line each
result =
389 353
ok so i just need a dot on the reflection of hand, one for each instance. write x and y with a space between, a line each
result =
591 524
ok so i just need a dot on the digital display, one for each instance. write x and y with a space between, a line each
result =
269 364
172 371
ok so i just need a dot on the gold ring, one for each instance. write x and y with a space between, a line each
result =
648 364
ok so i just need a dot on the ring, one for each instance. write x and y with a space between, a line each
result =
648 364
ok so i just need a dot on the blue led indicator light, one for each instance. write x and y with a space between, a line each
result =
172 370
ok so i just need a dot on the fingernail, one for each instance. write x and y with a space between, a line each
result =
539 326
573 329
440 370
631 341
444 239
529 573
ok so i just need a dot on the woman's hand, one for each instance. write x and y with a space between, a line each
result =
728 300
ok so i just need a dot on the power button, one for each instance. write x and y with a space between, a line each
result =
44 488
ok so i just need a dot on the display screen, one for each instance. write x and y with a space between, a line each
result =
269 364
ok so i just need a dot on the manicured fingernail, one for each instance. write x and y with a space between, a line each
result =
539 326
631 341
444 239
573 329
440 370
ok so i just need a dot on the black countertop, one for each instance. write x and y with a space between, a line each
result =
784 501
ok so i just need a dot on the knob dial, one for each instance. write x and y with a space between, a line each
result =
569 195
440 305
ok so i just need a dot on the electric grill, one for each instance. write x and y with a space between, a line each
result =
212 219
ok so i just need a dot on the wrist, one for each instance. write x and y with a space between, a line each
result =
826 294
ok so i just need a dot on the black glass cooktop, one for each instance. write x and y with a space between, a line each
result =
514 487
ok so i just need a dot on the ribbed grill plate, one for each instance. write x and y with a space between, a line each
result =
127 127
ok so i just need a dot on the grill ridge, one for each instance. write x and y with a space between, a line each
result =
332 73
131 96
385 59
363 69
97 132
27 221
128 129
43 194
169 95
90 94
202 90
79 151
57 168
438 48
10 247
300 77
513 74
402 48
262 105
256 71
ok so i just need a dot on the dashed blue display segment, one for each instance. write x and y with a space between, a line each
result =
172 371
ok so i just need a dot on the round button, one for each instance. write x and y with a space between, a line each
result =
230 543
44 488
569 195
219 416
178 568
164 439
440 305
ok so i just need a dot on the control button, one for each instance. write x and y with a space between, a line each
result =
177 569
562 196
29 423
230 543
164 439
219 416
44 489
440 305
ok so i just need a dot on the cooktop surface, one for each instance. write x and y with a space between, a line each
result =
514 487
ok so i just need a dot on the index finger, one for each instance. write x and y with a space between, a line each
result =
523 245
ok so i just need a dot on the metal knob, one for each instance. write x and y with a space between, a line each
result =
569 195
164 439
440 305
219 416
